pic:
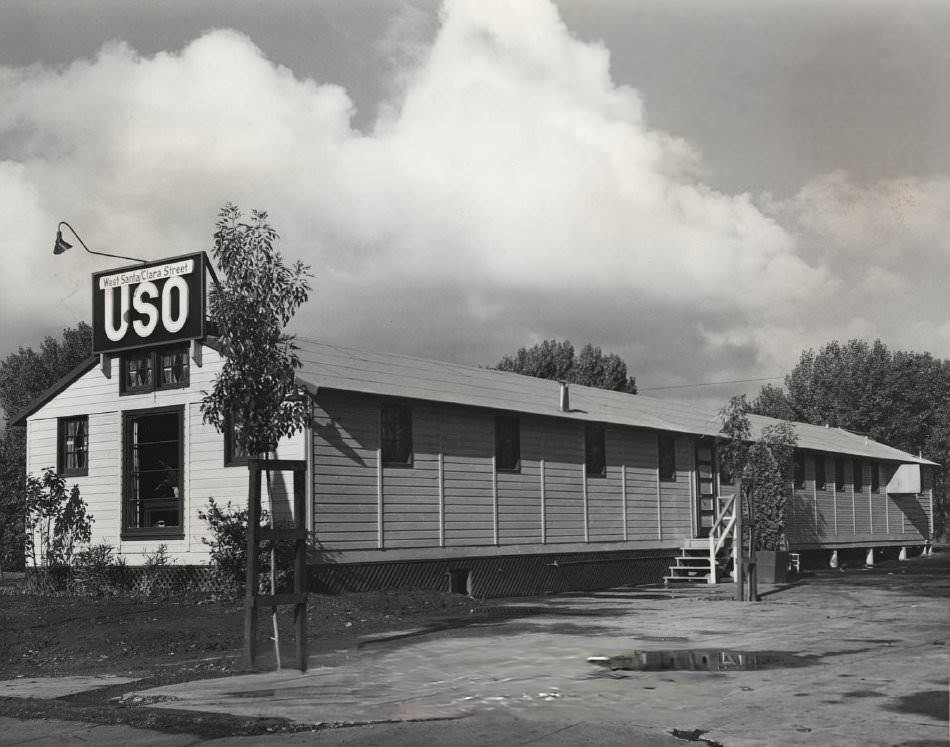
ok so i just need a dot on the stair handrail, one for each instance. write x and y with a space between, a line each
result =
722 529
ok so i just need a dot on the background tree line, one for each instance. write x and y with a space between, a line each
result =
553 359
25 375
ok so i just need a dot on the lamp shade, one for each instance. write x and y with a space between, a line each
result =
61 244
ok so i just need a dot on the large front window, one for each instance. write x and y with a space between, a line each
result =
153 473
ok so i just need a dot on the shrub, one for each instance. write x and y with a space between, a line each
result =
56 520
98 572
228 547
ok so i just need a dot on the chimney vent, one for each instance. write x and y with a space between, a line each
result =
565 397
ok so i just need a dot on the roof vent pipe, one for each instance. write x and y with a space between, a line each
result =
565 397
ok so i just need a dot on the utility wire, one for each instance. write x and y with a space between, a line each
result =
708 383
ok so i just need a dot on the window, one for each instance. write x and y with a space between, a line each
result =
507 443
725 476
595 451
798 466
396 433
72 458
839 473
875 477
667 458
857 474
820 472
234 454
153 477
149 370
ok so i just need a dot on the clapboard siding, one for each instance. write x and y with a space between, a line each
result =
862 516
345 477
204 475
468 443
411 493
564 481
676 496
519 493
640 448
477 504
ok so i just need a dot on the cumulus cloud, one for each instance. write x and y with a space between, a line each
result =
510 191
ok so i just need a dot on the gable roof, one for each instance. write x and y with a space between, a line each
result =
328 366
83 367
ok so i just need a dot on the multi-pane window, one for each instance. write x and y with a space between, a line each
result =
667 458
857 474
148 370
839 473
234 454
153 474
73 446
875 477
507 443
798 465
396 433
595 451
820 479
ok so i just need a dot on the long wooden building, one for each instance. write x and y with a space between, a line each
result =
432 474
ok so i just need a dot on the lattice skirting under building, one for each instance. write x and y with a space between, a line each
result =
161 581
511 575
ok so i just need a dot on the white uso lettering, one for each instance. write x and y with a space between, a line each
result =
179 284
150 290
113 333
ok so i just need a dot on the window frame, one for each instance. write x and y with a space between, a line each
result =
230 445
670 441
154 356
857 475
798 470
395 461
821 471
62 425
595 450
839 474
149 533
503 422
875 477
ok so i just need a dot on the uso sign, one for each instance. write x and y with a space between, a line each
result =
151 304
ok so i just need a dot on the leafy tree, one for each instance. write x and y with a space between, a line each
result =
257 386
764 466
24 375
258 296
552 359
900 398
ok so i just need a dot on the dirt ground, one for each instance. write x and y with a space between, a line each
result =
162 641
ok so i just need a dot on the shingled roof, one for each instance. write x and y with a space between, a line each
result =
388 374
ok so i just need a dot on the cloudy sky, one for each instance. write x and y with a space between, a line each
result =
705 188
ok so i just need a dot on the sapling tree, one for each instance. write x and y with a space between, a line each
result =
762 470
256 388
257 298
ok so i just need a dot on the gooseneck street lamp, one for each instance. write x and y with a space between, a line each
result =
62 245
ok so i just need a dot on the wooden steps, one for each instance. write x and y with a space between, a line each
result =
692 567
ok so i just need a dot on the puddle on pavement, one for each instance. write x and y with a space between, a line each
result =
700 660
